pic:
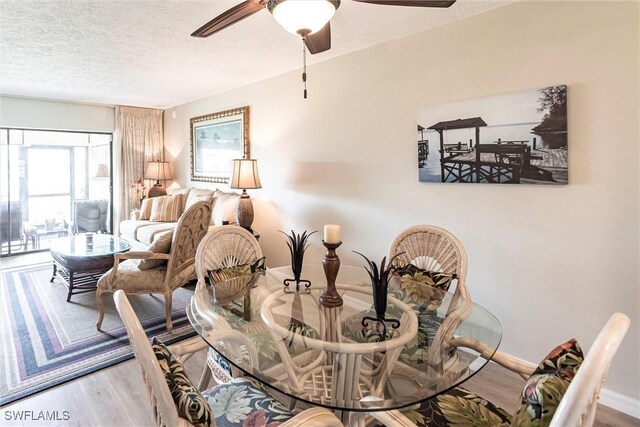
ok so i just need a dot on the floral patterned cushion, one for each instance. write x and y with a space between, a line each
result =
545 388
191 405
243 403
458 407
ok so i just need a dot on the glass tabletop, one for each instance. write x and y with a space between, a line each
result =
87 245
335 357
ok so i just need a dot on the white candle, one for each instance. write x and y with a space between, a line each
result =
332 233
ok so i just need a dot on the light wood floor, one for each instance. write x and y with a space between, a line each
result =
116 397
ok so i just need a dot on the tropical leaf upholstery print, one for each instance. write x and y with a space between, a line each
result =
540 397
412 275
547 385
244 403
241 402
189 402
222 274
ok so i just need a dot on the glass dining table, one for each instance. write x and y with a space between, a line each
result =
334 357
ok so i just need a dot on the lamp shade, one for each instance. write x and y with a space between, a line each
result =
159 171
102 172
298 16
245 174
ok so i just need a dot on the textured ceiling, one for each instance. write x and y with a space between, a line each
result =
141 52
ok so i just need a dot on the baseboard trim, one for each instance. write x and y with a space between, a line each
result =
620 402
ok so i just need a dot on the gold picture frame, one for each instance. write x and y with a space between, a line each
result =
217 139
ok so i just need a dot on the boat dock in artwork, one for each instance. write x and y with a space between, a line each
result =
514 162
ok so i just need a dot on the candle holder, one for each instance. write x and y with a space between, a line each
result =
331 263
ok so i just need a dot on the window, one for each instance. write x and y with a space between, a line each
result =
42 174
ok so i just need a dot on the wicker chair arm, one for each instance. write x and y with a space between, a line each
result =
519 366
238 339
314 417
185 349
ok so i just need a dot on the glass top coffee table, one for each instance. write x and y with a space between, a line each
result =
327 356
79 261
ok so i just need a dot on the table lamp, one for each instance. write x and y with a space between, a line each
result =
245 177
102 172
159 171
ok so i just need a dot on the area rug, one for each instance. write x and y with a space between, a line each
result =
47 341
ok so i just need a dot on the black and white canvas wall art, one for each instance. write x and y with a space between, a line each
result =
515 138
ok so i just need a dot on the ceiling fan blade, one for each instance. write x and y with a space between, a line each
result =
231 16
319 41
416 3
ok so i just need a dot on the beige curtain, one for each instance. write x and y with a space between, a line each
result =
139 140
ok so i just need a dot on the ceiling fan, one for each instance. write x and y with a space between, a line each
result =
307 18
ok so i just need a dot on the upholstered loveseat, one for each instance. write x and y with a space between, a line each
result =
157 216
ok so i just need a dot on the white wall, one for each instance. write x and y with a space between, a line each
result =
549 262
42 114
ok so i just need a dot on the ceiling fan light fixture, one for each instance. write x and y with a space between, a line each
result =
303 16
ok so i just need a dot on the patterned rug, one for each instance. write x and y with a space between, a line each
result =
46 341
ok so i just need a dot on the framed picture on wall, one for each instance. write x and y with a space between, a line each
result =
513 138
217 139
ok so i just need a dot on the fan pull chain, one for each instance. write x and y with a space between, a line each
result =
304 66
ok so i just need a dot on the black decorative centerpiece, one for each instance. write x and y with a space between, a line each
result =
379 285
297 246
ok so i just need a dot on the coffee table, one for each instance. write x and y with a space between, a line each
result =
80 260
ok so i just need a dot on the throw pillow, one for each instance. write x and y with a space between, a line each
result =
545 388
166 208
410 274
227 273
161 245
197 195
224 207
145 209
189 402
184 192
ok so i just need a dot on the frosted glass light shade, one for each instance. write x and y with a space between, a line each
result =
297 15
245 174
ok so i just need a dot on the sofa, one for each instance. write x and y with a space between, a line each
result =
141 230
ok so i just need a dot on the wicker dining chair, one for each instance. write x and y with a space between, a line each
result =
164 409
577 407
163 279
223 247
226 246
435 249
